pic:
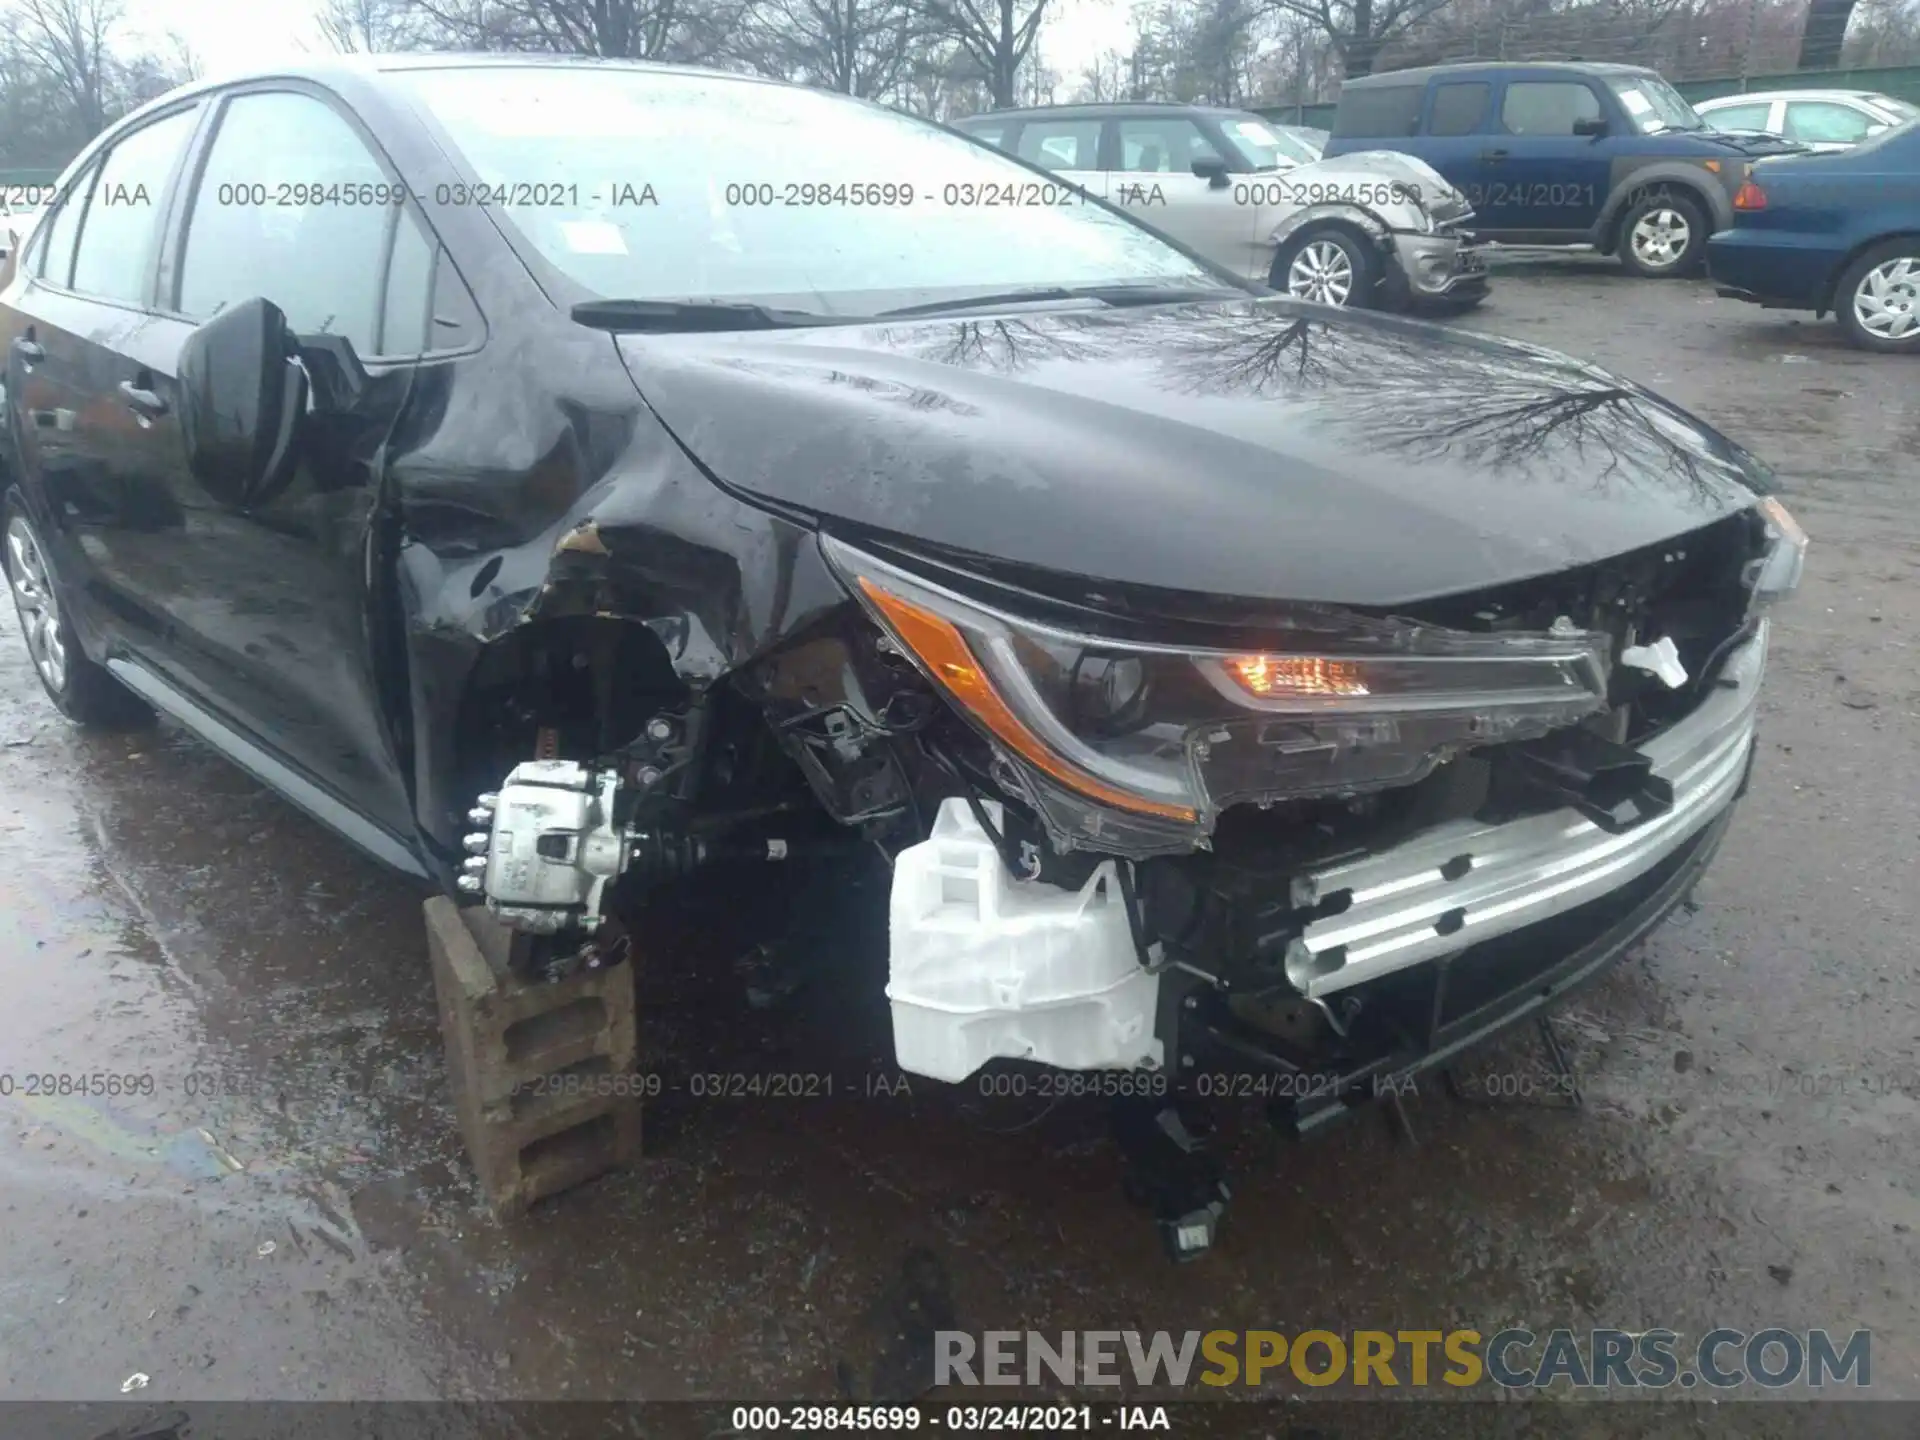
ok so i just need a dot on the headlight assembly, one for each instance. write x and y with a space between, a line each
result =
1125 739
1776 574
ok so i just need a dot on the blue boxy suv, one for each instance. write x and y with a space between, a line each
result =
1833 232
1563 154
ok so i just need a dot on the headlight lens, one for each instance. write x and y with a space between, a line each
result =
1776 574
1161 738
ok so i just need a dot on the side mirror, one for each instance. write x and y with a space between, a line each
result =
1213 170
1594 128
242 396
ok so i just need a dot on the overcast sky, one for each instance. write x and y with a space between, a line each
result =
234 34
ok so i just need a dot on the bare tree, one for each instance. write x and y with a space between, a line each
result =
1884 32
943 81
182 60
67 39
1103 79
1036 82
371 26
858 47
998 35
1359 28
684 30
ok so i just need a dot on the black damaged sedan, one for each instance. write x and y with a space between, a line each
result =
566 480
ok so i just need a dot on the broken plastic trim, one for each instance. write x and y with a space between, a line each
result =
1609 783
1115 733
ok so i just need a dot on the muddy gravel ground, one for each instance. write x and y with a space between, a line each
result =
288 1213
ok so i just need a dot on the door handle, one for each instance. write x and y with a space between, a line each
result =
1493 156
29 351
142 402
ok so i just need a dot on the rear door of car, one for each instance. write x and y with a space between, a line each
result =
1454 126
1544 183
1152 179
98 433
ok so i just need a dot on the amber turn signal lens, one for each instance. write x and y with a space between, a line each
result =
1749 197
1279 676
944 651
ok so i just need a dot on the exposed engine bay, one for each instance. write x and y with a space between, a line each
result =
1266 841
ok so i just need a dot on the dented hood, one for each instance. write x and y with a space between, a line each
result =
1264 449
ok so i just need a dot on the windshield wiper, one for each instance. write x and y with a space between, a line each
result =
1111 294
631 316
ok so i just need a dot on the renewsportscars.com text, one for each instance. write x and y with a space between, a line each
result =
1719 1359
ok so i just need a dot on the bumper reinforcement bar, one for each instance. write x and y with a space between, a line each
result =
1467 881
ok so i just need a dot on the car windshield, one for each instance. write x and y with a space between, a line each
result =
1265 148
1655 105
656 185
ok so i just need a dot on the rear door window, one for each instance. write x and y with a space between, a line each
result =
55 261
995 135
115 258
1822 122
1379 112
1061 144
1458 108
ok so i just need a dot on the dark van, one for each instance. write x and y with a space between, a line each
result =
1610 156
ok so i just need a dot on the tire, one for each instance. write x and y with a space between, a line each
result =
84 692
1664 236
1888 273
1345 265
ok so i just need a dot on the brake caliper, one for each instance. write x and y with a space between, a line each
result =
549 848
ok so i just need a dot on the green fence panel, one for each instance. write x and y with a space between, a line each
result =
1902 81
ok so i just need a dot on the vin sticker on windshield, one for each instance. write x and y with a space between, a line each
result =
594 237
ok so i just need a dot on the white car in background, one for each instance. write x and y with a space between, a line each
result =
1822 120
1374 229
15 227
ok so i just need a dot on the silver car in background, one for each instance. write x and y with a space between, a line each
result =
1821 120
1375 229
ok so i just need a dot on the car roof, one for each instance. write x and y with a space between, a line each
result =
1755 96
1090 108
1386 78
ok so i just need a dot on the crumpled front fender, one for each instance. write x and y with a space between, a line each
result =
1358 216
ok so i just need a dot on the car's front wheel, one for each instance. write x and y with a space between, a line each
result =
1878 298
84 691
1664 235
1329 266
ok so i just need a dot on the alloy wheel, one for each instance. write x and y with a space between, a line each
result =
34 601
1660 237
1886 302
1321 272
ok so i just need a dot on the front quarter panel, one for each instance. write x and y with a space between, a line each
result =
535 484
